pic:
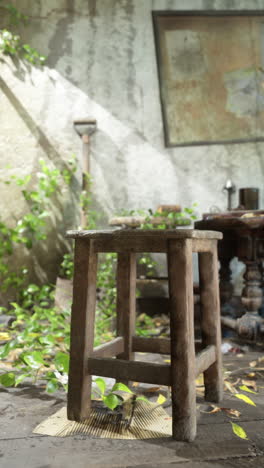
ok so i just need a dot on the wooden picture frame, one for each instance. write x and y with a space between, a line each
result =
211 76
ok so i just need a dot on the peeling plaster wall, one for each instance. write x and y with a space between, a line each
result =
102 63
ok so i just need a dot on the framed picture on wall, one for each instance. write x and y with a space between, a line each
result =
211 75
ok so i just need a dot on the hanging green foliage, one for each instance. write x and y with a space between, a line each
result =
11 43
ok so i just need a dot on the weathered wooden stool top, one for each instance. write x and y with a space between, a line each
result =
124 234
144 240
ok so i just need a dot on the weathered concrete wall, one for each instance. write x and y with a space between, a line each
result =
102 63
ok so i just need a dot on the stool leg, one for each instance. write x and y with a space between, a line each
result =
82 330
182 339
126 302
210 322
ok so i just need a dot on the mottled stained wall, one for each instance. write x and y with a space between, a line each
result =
101 63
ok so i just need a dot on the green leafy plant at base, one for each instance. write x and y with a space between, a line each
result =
10 43
111 399
37 343
38 340
32 226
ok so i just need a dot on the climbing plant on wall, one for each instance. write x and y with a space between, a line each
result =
11 43
36 344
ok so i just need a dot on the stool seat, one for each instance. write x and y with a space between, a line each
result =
115 359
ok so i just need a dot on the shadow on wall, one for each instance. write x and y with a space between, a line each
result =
40 136
99 47
98 64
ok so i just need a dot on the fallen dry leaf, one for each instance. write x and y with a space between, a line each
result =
4 336
245 398
215 409
14 354
251 374
250 383
239 431
135 384
245 388
212 409
151 390
233 413
253 364
6 366
230 387
236 382
161 399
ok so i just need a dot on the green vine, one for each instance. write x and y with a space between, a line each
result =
11 43
37 344
32 226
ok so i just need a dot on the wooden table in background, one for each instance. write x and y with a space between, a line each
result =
243 237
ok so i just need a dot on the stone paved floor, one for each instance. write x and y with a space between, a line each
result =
216 446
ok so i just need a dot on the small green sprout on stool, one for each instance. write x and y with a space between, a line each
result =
115 399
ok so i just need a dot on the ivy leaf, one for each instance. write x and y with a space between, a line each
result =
62 362
47 340
32 288
119 386
20 379
112 401
239 431
52 386
101 385
8 380
34 359
142 398
5 350
245 398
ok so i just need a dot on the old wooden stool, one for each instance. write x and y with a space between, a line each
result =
86 361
